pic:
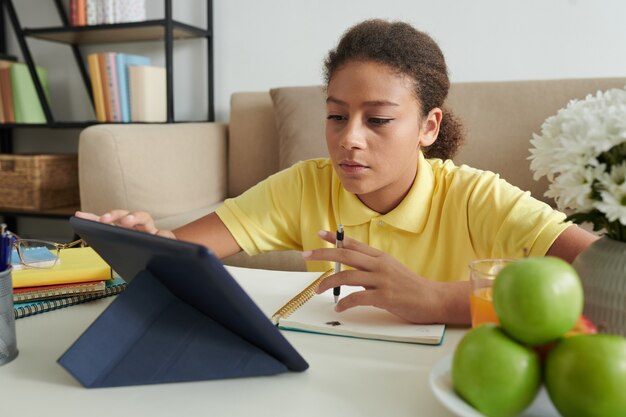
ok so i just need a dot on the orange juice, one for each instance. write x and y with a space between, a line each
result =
481 306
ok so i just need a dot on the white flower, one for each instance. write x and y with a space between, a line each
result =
613 204
582 152
573 189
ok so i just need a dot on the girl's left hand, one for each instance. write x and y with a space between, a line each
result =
387 283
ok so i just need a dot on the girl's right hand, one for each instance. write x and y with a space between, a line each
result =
136 220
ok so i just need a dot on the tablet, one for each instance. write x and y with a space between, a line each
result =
193 274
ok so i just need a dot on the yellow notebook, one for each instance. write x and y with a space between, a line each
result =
313 313
75 265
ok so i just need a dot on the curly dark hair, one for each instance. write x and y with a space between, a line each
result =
401 47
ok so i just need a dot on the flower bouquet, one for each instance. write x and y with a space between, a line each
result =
582 152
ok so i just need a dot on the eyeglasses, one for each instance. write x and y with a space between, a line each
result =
32 253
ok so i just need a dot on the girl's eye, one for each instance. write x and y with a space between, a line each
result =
335 117
379 121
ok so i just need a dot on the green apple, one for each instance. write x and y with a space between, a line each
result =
586 376
494 373
538 299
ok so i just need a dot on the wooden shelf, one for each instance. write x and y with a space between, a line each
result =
149 30
58 212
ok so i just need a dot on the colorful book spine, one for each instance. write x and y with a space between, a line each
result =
2 120
81 12
26 105
113 287
92 12
73 13
123 61
7 94
112 86
104 81
45 292
96 86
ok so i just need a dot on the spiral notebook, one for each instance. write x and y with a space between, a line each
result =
314 313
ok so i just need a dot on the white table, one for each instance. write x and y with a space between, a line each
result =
347 377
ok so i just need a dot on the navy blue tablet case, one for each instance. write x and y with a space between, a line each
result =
181 318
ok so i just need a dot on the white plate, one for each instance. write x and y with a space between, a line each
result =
441 384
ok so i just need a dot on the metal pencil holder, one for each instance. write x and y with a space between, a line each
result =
8 341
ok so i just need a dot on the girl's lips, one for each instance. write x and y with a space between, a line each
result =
351 166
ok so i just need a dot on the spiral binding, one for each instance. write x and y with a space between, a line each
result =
301 298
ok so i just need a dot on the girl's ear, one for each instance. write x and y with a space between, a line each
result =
431 127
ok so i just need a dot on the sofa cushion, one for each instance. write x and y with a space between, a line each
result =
501 117
300 113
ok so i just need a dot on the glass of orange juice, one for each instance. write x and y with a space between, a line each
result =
482 275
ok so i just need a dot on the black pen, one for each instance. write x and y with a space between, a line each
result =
338 244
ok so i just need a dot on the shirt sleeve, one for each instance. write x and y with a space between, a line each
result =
509 222
266 217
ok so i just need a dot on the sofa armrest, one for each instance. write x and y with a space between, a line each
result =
165 169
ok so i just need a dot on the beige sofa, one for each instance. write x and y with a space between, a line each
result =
179 172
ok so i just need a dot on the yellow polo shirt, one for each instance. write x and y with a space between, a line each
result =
452 215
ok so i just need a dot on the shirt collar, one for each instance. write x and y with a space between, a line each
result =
410 215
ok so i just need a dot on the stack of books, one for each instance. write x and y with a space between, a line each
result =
126 88
79 276
19 102
99 12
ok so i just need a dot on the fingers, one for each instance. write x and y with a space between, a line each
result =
113 216
349 243
359 298
352 278
345 256
137 220
87 216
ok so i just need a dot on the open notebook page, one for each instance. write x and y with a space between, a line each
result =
318 315
274 288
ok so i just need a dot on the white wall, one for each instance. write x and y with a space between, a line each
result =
261 44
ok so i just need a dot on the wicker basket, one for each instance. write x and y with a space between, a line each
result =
35 182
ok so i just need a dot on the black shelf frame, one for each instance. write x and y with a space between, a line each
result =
165 30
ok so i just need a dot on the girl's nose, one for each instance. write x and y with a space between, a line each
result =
353 136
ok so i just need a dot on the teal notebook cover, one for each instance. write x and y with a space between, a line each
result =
123 61
26 105
113 287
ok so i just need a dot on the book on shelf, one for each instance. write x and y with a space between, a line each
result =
1 107
147 93
130 11
25 309
6 92
26 105
81 13
123 62
313 313
75 265
78 12
98 12
91 12
106 11
45 292
106 92
111 64
96 86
